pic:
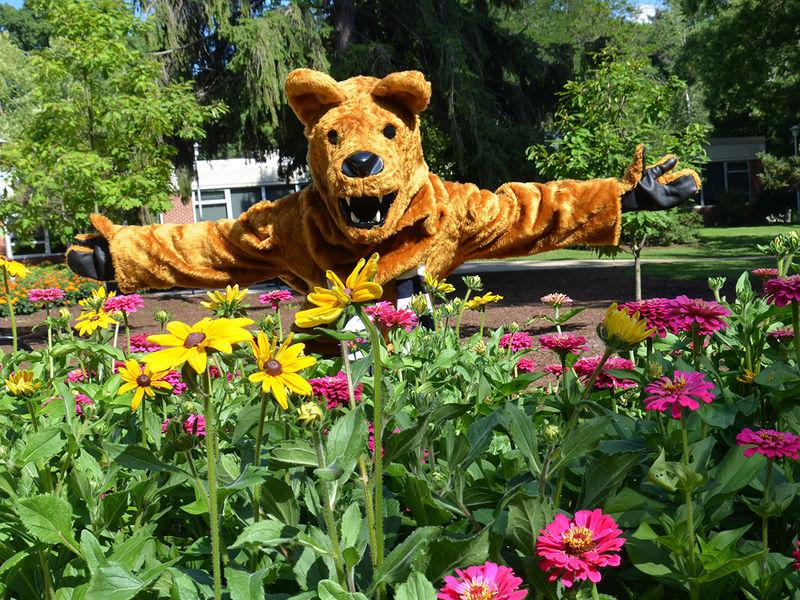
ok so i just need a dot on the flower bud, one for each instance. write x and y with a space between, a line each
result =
188 407
101 428
654 370
716 283
551 433
473 282
162 316
268 323
308 414
64 314
479 347
419 304
512 327
439 479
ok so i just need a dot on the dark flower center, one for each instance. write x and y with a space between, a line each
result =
347 291
770 437
143 380
674 386
273 367
194 339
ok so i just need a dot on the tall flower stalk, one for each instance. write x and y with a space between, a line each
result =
687 495
211 458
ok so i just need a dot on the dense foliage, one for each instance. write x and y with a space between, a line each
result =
95 139
420 454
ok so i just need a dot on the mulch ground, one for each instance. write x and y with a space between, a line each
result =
594 288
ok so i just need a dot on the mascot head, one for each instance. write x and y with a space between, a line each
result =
364 146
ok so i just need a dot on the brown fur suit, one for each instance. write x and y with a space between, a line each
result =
330 224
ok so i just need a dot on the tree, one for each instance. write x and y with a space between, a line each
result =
26 30
15 84
97 139
600 120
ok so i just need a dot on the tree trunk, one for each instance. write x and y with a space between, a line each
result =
343 17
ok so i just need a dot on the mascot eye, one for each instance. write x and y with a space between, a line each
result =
333 137
389 131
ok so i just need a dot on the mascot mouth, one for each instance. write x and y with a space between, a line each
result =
366 212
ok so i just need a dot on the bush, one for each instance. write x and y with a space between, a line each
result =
45 275
421 454
678 226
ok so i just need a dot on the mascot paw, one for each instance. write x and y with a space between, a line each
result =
89 256
658 188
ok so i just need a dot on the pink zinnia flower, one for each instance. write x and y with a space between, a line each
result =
563 343
770 443
682 390
174 379
139 343
275 298
783 290
195 425
783 334
553 370
526 365
584 367
482 582
45 295
334 390
765 273
165 425
556 299
656 311
796 554
77 376
708 315
128 304
516 341
82 400
386 316
575 548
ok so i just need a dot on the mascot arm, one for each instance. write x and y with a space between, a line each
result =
207 254
527 218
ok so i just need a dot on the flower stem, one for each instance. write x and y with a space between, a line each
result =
483 318
144 421
257 456
46 576
280 322
461 310
556 317
796 330
696 346
377 405
693 589
595 593
362 465
12 317
211 435
49 340
327 512
765 520
127 333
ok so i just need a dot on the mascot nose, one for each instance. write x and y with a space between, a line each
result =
362 164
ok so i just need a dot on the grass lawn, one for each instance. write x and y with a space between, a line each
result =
715 242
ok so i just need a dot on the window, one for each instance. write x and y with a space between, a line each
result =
212 205
244 198
41 245
274 192
724 176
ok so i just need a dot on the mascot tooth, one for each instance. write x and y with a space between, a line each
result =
372 192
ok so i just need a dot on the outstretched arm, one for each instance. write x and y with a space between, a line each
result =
208 254
527 218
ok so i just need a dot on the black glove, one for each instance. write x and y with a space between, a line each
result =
89 256
650 194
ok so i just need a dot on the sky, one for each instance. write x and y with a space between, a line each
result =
14 3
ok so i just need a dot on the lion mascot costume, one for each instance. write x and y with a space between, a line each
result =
372 192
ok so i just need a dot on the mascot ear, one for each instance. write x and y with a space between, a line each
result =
407 88
311 94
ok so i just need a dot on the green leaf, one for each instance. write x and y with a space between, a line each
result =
42 445
604 474
527 515
347 441
479 437
397 565
49 519
523 434
581 441
268 533
416 587
330 590
243 585
734 472
92 552
114 582
296 452
142 459
448 551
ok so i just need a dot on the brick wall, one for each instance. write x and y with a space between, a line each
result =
2 243
180 212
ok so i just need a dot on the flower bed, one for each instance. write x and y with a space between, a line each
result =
416 463
42 277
